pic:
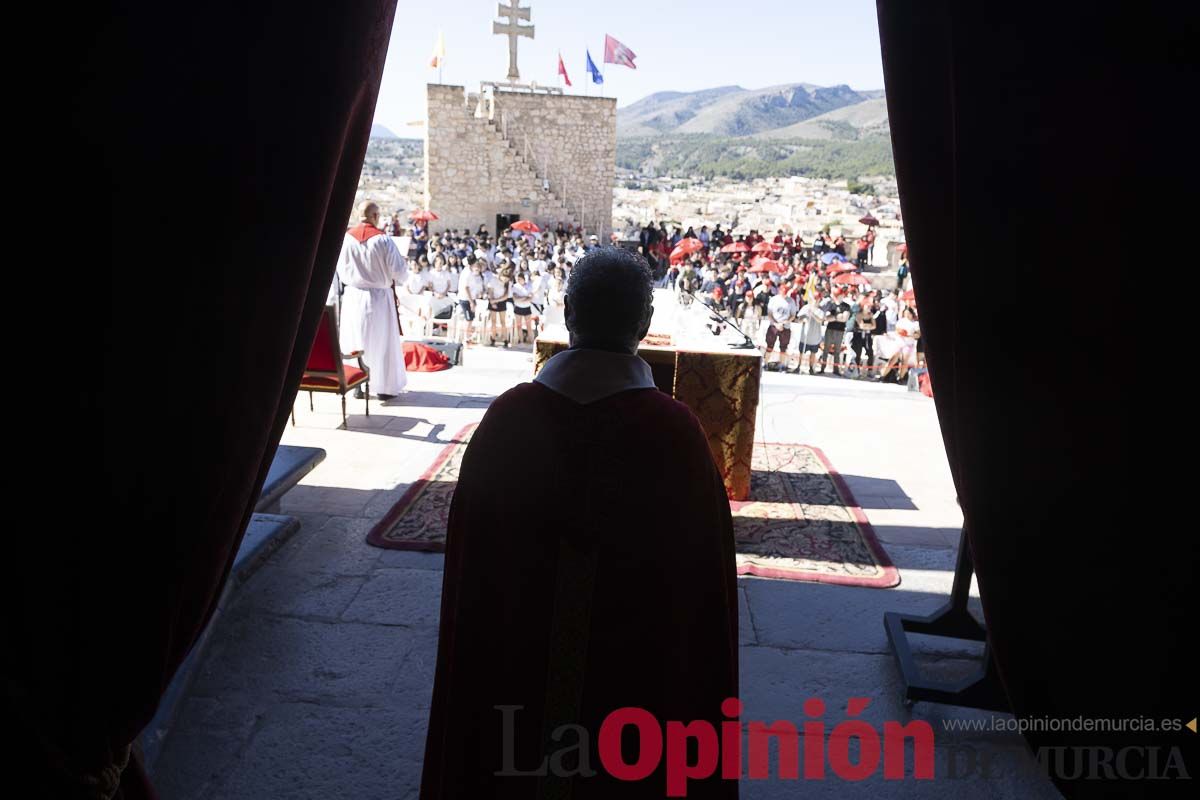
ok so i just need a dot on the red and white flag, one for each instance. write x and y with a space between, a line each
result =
617 53
562 69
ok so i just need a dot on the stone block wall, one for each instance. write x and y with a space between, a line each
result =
574 140
472 173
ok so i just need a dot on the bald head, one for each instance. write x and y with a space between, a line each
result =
369 212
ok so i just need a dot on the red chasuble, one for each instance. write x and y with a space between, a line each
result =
589 567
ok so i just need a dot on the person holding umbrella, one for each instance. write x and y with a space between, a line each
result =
864 247
421 220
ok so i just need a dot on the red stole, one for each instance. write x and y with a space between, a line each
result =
364 231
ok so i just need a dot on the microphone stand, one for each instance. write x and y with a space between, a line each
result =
716 317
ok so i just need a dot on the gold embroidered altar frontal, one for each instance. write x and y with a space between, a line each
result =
719 386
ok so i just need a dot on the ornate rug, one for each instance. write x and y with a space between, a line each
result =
801 523
418 520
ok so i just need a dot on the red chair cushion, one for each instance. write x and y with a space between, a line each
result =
354 376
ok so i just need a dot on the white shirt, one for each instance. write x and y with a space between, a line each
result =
907 328
373 264
418 282
540 284
891 311
455 276
472 284
439 282
780 309
555 290
812 316
521 292
496 289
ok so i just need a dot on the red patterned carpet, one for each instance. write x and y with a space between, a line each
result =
801 523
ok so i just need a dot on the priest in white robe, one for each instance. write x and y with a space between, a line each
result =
367 267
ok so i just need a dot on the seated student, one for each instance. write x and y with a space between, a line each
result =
441 304
905 355
603 599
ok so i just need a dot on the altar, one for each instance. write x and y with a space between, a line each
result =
701 370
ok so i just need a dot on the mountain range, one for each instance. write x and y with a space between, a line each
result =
794 110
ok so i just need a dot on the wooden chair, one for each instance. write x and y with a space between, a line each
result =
326 370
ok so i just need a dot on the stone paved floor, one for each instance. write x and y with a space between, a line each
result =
317 683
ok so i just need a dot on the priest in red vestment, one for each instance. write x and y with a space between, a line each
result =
610 585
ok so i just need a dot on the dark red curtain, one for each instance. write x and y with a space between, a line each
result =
1040 158
187 172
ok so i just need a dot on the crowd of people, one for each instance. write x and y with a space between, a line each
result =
504 287
807 304
787 290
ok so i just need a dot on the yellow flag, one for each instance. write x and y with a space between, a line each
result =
439 51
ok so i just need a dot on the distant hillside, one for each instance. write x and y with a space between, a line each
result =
380 132
732 110
745 158
868 118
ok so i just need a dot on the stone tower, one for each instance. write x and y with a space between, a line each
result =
512 151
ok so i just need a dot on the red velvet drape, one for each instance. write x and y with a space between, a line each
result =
1032 144
191 169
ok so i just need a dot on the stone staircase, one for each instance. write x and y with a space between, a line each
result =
552 207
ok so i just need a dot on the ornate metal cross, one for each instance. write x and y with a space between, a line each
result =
512 29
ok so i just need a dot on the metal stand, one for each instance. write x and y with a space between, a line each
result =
953 621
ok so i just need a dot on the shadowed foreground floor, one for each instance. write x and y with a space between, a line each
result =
317 682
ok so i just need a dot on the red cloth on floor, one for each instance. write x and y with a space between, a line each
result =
423 358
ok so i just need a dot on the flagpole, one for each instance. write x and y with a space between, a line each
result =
604 66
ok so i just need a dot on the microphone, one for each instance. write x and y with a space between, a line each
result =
748 344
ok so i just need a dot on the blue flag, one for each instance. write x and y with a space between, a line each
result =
591 67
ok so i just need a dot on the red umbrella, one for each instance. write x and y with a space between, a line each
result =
869 220
903 248
736 247
687 246
422 216
850 279
764 248
909 297
840 266
524 225
765 265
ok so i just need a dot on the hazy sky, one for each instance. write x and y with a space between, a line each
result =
695 45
